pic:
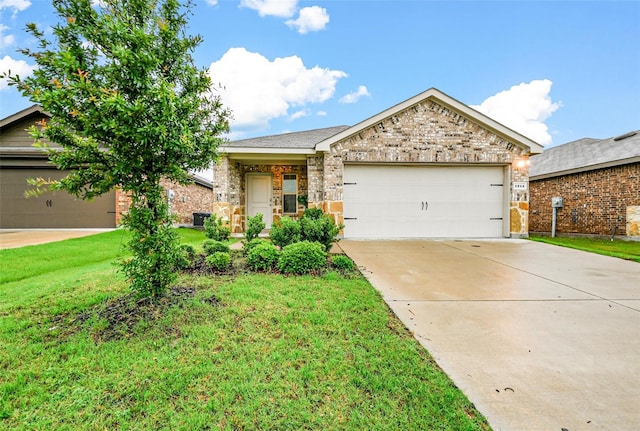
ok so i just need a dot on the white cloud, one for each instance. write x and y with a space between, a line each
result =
354 96
313 18
17 67
8 40
299 114
16 5
258 90
281 8
321 113
523 108
212 2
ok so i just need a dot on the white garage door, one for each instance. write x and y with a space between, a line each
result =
385 201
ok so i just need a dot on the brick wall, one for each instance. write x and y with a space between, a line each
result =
186 200
189 199
594 201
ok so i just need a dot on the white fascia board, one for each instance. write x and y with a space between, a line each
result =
280 151
447 101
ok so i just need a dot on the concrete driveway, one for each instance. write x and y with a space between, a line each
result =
13 238
538 337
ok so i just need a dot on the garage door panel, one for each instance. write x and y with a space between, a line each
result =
52 209
409 201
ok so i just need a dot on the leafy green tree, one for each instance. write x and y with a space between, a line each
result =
128 108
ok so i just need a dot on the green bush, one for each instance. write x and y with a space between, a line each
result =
185 256
342 263
313 213
285 232
253 243
216 229
211 246
263 257
322 229
255 225
219 260
302 258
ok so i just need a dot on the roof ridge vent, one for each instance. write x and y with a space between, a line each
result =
625 136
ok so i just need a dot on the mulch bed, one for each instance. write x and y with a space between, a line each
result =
117 318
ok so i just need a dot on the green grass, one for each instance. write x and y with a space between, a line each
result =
25 262
271 352
629 250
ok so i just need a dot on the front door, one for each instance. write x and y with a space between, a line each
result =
259 191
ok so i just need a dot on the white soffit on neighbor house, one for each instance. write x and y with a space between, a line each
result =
447 101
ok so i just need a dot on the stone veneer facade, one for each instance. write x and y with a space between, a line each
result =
424 134
596 202
230 189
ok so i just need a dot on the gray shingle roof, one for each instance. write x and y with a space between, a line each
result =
586 154
307 139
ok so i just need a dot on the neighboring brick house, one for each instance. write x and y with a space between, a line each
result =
428 167
599 182
19 160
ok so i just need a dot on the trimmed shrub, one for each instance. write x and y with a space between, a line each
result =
262 257
211 246
253 243
285 232
255 225
216 229
322 229
342 263
185 256
302 258
313 213
219 260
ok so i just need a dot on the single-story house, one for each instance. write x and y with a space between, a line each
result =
428 167
598 181
19 160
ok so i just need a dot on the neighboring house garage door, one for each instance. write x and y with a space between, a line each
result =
384 201
51 210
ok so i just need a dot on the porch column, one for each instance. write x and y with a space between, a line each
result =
227 197
315 178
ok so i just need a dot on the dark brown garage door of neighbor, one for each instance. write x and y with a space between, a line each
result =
50 210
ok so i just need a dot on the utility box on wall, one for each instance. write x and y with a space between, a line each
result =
557 202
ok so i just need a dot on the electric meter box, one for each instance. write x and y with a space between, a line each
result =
557 202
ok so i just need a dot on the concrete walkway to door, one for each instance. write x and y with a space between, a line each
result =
538 337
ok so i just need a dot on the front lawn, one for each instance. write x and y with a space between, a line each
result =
629 250
252 351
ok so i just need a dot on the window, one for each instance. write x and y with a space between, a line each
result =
290 194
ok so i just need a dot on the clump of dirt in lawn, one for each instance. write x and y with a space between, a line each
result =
118 318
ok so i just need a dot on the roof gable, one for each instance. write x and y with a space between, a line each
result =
21 115
586 154
447 101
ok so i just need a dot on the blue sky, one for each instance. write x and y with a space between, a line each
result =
554 71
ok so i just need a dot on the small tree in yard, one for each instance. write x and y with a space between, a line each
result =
128 108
